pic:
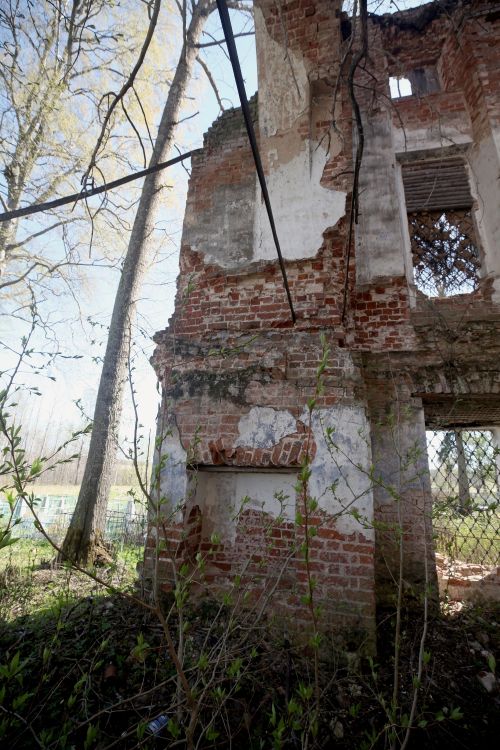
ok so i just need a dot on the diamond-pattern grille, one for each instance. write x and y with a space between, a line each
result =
465 468
445 254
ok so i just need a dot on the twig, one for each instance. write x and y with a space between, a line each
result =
211 81
126 86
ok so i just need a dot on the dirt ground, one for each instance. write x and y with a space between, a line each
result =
94 671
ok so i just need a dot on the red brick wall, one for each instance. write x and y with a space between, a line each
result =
231 345
265 565
312 28
277 369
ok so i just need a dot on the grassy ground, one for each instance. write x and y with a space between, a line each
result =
473 538
117 492
29 585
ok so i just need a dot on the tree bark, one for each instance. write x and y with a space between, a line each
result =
84 539
464 501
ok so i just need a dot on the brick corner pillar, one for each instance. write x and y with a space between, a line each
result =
404 547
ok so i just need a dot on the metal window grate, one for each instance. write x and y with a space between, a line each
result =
445 255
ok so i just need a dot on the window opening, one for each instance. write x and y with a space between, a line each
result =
419 82
464 467
424 80
399 86
446 259
445 254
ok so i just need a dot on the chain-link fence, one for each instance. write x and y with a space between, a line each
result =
465 471
121 527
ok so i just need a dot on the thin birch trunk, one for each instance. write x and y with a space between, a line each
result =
83 542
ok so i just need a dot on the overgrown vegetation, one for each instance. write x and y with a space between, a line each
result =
95 672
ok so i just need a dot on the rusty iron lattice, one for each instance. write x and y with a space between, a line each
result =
445 254
465 467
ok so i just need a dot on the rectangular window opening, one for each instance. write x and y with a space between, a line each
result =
445 254
464 466
399 86
415 82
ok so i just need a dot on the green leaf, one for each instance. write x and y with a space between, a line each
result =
7 539
36 467
92 732
235 667
211 734
203 661
19 702
173 728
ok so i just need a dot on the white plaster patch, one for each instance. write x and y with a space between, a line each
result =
303 209
484 162
264 427
222 495
340 475
283 82
173 480
380 239
439 135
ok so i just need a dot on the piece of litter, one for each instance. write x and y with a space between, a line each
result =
156 726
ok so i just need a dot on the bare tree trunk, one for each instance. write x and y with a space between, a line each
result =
83 542
463 480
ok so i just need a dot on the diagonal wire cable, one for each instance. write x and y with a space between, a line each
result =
83 194
235 63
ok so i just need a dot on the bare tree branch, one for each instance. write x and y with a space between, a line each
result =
218 42
126 86
24 241
211 81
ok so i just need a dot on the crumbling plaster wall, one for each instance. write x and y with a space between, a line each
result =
241 419
462 117
290 101
230 228
236 375
425 359
218 223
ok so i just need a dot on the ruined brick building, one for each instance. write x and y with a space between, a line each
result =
406 299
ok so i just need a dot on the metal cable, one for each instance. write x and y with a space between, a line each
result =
235 63
83 194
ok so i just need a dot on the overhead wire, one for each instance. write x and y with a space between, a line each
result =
235 64
84 194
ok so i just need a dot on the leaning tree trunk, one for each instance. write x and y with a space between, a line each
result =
83 542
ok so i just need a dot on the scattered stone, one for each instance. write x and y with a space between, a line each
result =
487 680
338 730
